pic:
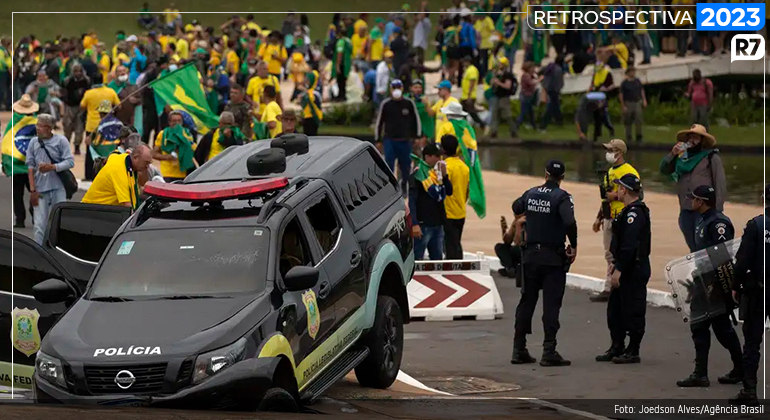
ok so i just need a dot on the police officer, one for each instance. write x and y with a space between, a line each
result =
550 217
713 228
750 280
630 272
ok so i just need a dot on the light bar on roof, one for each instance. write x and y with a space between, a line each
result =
213 191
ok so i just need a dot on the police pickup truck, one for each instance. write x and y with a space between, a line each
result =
257 282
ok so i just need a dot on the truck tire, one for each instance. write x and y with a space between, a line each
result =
278 400
386 344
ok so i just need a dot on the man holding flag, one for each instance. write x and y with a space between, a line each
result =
19 131
456 125
174 149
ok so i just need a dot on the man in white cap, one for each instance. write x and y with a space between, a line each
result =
611 206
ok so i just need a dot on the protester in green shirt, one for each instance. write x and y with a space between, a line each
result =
341 62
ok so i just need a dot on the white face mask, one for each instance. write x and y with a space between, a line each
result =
397 93
610 157
123 78
172 67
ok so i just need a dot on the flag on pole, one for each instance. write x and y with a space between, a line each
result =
181 90
19 131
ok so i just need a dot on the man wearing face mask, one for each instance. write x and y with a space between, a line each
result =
128 100
398 124
629 273
611 205
694 161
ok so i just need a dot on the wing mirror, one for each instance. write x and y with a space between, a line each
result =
51 291
300 278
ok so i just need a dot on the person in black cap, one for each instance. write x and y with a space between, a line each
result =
747 289
550 217
713 228
630 272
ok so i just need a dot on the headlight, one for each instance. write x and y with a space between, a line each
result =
208 364
50 369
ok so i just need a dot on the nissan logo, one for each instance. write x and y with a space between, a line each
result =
124 379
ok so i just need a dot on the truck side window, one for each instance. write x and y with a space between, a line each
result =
294 249
29 268
325 224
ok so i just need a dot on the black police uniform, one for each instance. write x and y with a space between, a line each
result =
750 280
550 218
627 305
712 229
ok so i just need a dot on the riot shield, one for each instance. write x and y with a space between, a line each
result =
701 282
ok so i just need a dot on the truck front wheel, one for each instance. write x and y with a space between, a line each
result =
386 345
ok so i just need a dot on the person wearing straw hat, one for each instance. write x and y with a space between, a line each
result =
19 131
694 161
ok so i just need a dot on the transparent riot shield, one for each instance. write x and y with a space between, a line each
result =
701 282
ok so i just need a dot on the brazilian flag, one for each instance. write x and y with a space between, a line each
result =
476 196
19 131
181 90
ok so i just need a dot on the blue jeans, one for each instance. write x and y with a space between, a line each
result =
688 219
433 239
527 110
552 109
47 200
401 150
645 43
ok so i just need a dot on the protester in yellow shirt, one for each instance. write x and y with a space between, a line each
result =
274 53
469 84
102 61
460 176
257 85
171 16
485 27
116 182
272 114
91 100
359 41
169 161
376 47
360 23
445 97
183 47
232 59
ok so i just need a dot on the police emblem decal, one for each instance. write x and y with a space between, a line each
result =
313 313
25 334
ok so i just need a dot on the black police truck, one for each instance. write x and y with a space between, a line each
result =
257 282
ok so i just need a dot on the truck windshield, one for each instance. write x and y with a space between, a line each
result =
186 262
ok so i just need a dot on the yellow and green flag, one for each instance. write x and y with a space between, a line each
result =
19 131
181 90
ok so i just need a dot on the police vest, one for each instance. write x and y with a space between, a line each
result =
544 224
619 225
757 279
701 239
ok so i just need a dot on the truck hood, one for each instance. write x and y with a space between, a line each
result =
152 329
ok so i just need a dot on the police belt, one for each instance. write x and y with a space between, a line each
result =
539 246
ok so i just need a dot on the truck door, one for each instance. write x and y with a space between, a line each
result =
23 320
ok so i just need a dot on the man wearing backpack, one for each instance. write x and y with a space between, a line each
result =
503 85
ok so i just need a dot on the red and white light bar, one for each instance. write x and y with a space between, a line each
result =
213 191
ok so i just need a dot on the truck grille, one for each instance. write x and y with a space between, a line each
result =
185 374
149 378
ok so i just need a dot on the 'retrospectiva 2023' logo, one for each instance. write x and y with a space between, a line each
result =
746 47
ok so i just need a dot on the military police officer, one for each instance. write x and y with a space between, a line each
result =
713 228
550 218
750 280
629 273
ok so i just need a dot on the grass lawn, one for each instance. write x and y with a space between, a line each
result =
46 26
751 135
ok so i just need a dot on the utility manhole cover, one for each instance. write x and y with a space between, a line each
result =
465 385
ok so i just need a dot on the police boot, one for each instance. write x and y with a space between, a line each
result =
551 357
615 350
520 353
631 355
733 377
695 380
746 396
